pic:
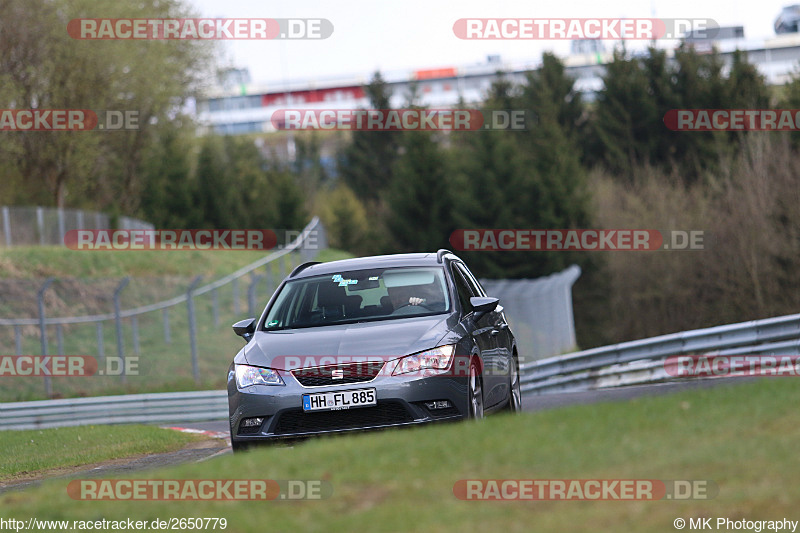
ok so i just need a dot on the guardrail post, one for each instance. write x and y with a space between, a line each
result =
100 348
61 225
235 291
7 226
40 225
165 318
135 331
251 294
193 326
18 340
60 339
215 307
282 266
43 330
118 322
270 283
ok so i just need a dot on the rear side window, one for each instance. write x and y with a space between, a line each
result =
477 289
463 289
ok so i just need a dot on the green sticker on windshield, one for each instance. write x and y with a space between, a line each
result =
272 323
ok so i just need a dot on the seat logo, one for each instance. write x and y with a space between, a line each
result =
337 373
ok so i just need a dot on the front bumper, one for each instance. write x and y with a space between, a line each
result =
400 402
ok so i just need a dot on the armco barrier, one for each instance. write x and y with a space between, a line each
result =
642 361
629 363
167 408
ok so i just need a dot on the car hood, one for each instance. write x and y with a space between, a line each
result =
318 346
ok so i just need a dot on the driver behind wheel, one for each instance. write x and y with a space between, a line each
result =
429 296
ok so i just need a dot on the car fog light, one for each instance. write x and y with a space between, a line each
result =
438 404
252 422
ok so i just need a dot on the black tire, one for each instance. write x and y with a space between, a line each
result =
475 392
515 397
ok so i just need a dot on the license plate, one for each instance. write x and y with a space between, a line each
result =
332 401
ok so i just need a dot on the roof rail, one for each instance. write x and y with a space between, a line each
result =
441 253
300 268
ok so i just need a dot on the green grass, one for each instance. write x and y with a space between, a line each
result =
29 262
29 452
162 366
43 261
742 437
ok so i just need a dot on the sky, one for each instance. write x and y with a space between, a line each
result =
399 37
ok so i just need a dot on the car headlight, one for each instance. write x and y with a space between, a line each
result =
247 376
436 359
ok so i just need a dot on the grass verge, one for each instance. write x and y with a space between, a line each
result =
26 453
743 437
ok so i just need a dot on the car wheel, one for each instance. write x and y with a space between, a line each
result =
515 396
475 392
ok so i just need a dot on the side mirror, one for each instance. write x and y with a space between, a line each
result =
245 328
482 305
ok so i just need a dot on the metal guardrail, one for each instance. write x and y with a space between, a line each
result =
642 361
170 407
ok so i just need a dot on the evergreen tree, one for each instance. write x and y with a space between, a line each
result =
550 88
624 117
213 192
746 87
367 163
166 199
419 200
524 179
699 84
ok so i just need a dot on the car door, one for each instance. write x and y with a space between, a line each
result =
482 332
498 359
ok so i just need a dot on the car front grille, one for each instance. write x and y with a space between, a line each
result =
323 376
298 421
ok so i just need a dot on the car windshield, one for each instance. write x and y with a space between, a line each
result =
358 296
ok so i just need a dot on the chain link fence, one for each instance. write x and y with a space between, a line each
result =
31 226
539 312
173 344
